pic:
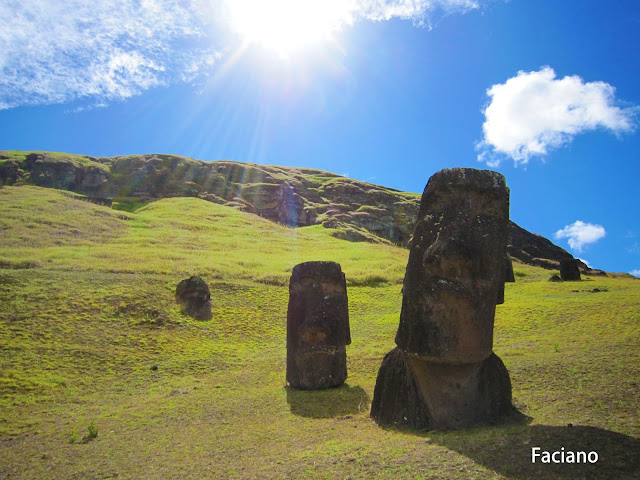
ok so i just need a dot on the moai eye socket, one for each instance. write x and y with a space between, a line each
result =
314 335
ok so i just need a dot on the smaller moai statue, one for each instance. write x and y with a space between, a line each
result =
317 326
569 269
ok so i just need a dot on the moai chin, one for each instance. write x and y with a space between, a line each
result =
317 326
443 374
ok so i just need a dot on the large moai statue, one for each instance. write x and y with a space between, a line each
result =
317 326
443 373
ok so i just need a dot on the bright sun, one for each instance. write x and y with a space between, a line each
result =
288 25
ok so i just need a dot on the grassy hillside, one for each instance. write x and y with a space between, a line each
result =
285 195
354 210
87 309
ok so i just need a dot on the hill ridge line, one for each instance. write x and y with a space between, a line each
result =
292 196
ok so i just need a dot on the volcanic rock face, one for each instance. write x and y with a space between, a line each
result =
194 296
569 269
317 326
443 373
47 172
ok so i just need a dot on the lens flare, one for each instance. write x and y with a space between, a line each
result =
285 26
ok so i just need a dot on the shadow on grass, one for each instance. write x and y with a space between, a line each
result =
333 402
507 451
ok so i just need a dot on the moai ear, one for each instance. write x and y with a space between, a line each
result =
500 298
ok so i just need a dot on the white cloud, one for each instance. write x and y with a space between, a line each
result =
635 273
420 11
534 112
61 51
95 51
284 26
580 234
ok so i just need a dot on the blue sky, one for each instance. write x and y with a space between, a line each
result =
385 91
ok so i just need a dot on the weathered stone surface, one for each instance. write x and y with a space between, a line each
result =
317 326
9 172
396 397
444 373
194 296
456 269
555 278
569 269
423 395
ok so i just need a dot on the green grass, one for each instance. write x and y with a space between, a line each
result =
87 308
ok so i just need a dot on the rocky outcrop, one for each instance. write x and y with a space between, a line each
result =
534 249
82 175
444 374
10 171
296 197
317 326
